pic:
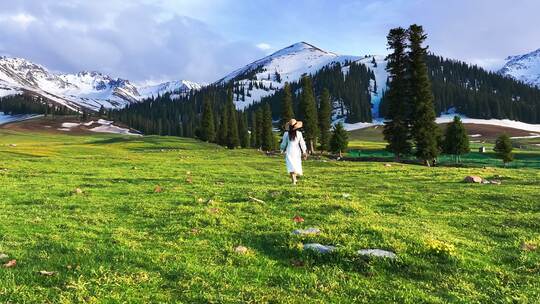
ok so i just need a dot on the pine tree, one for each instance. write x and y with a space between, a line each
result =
325 120
253 136
260 124
208 132
286 107
308 113
101 111
396 128
242 130
339 140
232 133
424 128
456 141
503 148
267 140
223 130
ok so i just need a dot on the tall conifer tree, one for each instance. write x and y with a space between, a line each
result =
253 136
260 124
208 132
325 120
503 148
267 140
223 128
424 128
396 128
339 140
232 133
286 106
456 141
242 130
308 113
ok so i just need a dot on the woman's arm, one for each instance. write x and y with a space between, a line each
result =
302 142
284 142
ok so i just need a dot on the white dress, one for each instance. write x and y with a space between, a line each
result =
293 152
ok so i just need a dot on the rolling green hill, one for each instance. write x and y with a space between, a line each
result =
158 220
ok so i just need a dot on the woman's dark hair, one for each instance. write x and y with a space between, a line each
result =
292 133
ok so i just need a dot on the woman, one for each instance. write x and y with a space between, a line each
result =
294 146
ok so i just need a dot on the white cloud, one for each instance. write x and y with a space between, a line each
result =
133 40
21 19
263 46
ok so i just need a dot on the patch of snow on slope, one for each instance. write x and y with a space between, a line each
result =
108 127
7 91
446 118
495 122
379 69
12 118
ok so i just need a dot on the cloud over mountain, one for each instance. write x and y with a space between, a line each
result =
132 39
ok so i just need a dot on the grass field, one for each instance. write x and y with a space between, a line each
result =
120 241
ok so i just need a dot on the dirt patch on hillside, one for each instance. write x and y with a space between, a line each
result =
57 125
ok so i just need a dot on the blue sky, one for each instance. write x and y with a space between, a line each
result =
204 40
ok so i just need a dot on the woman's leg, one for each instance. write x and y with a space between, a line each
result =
293 178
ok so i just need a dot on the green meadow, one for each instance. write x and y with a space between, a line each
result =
157 220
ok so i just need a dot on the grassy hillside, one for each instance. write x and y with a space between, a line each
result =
121 241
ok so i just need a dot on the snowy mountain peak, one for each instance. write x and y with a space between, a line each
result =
525 68
85 89
300 47
271 72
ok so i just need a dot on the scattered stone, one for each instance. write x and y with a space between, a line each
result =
388 165
378 253
3 256
319 248
219 183
493 182
200 200
298 219
133 168
78 191
10 264
12 145
189 180
241 249
256 200
47 273
195 231
158 189
473 179
526 246
308 231
346 195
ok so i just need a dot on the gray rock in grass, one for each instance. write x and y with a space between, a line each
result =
378 253
319 248
307 231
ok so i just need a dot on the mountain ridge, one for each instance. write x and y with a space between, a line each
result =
525 68
79 91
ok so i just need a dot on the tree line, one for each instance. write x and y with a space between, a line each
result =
26 104
477 93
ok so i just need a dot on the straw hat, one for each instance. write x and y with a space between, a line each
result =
296 124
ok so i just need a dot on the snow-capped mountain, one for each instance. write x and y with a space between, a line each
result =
525 68
88 90
286 65
176 87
